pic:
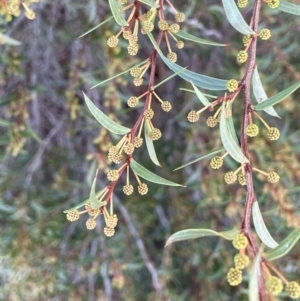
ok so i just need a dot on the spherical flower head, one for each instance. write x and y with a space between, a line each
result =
216 162
242 3
246 40
241 261
230 177
240 241
90 224
242 179
232 85
113 175
172 56
128 189
129 148
135 72
293 289
273 3
166 106
180 17
193 116
252 130
149 113
117 158
155 134
73 215
273 177
133 49
265 34
147 27
109 231
179 44
242 56
211 121
112 41
113 150
174 28
112 221
163 25
274 285
273 133
142 188
138 142
133 101
138 82
234 277
132 39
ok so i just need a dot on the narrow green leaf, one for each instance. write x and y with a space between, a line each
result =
105 121
93 198
119 74
89 31
98 193
150 3
150 176
115 9
228 141
201 158
192 91
201 97
260 94
289 8
230 125
277 98
235 18
186 36
261 228
284 247
253 281
168 78
196 233
4 39
202 81
150 146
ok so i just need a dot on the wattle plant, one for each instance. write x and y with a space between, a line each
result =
148 21
147 18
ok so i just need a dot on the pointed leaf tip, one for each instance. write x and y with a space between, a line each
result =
105 121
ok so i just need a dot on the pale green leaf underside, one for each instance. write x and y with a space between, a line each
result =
253 280
260 94
105 121
200 158
196 233
119 74
186 36
200 96
89 31
230 125
235 18
202 81
4 39
261 228
150 146
115 9
228 140
284 247
277 98
150 3
289 8
148 175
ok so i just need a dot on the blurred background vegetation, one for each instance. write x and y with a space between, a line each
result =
50 147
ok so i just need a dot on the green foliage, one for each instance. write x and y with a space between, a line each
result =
51 147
